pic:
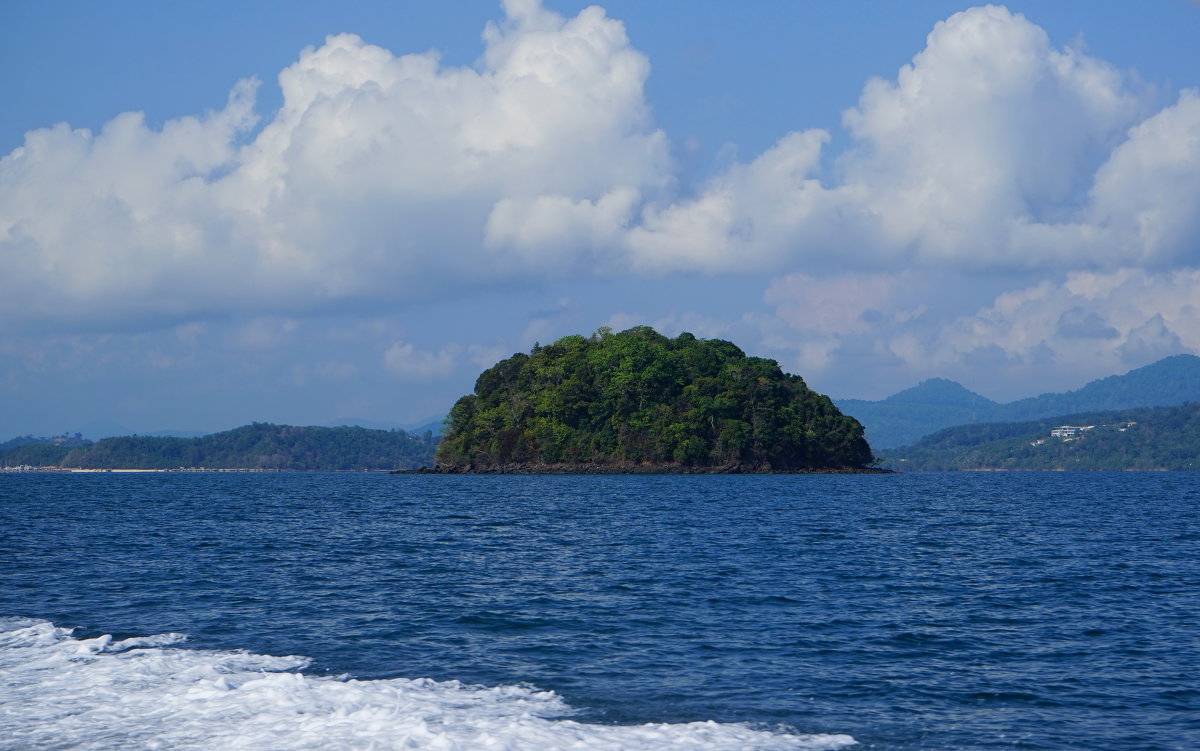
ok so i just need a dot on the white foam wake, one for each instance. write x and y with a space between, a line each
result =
59 692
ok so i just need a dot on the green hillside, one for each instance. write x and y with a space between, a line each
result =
1150 438
257 446
638 401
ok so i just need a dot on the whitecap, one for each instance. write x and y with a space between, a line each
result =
60 692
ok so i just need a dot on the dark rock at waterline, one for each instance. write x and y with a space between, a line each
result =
624 468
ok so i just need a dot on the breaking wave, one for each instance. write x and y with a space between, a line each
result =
60 692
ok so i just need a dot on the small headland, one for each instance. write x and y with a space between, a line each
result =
637 402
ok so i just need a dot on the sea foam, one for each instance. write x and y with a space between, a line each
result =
58 692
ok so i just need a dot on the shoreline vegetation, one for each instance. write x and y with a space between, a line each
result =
259 447
137 471
525 468
1149 439
638 402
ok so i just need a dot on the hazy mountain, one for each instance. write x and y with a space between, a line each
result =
97 429
432 424
1166 383
905 417
177 434
361 422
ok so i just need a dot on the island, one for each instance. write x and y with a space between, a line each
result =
640 402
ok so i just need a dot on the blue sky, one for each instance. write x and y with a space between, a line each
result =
212 214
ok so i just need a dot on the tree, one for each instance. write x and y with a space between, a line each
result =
639 397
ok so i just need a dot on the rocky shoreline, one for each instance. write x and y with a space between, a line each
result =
628 468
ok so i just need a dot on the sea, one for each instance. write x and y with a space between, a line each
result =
963 611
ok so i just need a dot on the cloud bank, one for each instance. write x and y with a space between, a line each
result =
387 179
991 151
380 177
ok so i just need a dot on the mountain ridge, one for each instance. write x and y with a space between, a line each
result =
936 403
253 446
1144 438
951 393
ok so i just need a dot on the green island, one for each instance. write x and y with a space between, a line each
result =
261 446
638 401
1149 438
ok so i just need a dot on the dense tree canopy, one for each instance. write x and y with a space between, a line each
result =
640 398
256 446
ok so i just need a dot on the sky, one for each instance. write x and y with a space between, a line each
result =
219 213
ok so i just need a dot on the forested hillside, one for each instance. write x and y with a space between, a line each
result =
638 398
1151 438
257 446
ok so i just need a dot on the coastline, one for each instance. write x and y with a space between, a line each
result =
629 468
518 468
135 470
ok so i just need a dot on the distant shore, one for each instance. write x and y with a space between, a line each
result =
133 470
628 468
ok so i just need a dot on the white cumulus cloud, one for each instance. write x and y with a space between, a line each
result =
1095 322
846 304
991 150
381 177
388 178
1005 209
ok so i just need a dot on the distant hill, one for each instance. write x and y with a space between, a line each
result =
257 446
177 433
66 439
1149 438
1169 382
97 429
938 403
904 417
362 422
434 425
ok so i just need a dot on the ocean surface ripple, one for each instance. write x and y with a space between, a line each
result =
958 611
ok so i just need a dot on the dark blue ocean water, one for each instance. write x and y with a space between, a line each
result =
925 611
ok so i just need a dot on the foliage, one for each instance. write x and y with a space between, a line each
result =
65 439
27 450
33 455
257 446
1139 439
638 397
